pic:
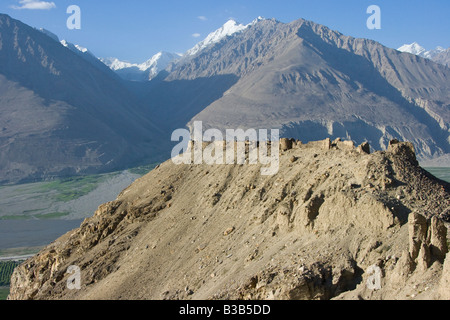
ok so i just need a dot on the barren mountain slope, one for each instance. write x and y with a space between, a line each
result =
314 83
62 115
312 231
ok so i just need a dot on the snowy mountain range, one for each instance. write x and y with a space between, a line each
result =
149 69
438 55
144 71
229 28
312 83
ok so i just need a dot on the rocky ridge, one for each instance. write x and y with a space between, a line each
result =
318 229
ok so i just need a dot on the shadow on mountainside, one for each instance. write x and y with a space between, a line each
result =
361 70
176 102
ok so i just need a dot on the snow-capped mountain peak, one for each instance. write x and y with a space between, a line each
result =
159 61
141 71
77 48
413 48
417 49
116 64
257 20
229 28
149 69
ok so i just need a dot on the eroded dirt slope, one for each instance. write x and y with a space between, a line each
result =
313 231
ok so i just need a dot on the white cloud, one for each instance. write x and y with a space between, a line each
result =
34 5
203 18
196 35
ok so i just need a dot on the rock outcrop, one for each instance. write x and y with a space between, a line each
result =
333 223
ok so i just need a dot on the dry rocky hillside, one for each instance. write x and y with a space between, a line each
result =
333 219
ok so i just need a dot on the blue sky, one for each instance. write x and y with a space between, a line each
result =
134 30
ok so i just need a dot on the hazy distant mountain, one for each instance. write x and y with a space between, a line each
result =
417 49
141 72
439 55
60 114
314 83
443 57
